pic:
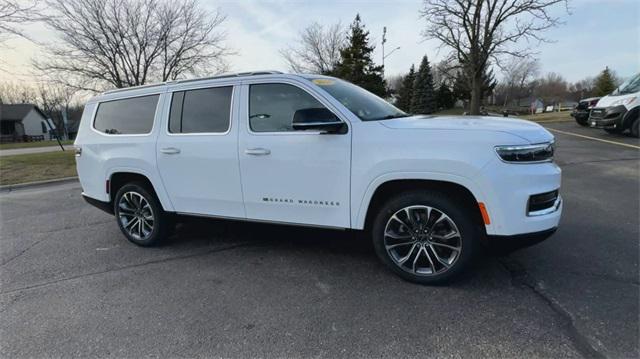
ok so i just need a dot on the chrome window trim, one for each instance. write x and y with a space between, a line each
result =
181 134
322 101
94 116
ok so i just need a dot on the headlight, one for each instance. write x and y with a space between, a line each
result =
542 152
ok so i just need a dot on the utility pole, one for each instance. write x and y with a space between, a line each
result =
384 40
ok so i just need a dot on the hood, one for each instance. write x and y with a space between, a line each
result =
527 130
628 100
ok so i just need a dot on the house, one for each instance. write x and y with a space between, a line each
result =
565 105
528 104
23 122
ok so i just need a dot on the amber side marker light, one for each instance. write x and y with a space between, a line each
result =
485 214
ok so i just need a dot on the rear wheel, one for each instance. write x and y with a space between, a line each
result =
140 215
425 237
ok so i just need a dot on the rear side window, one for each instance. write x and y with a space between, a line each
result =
201 111
130 116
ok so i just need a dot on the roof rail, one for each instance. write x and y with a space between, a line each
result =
234 74
133 88
221 76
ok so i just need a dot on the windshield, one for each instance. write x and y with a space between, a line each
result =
364 104
630 86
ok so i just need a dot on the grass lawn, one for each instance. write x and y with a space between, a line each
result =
549 117
37 167
7 146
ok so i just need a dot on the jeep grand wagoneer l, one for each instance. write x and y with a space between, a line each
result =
317 151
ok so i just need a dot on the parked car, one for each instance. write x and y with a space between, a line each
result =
582 110
619 111
318 151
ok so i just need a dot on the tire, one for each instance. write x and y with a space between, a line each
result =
582 122
140 215
426 208
634 128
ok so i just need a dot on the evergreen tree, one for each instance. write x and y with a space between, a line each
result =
423 100
462 85
356 65
605 83
405 92
444 97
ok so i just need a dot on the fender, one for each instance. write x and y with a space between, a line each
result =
155 182
630 116
361 214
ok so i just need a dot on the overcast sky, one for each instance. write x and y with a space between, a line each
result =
597 33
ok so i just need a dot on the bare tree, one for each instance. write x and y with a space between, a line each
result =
518 72
552 88
117 43
445 72
477 31
14 14
583 88
12 93
55 100
318 50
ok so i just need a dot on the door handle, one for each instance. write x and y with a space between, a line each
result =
257 151
170 150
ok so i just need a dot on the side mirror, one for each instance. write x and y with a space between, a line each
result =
318 119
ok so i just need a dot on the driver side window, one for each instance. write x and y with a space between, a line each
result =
272 106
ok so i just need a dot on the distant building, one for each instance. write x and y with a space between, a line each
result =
23 122
565 105
527 104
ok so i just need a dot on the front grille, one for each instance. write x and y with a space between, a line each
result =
584 105
597 114
542 201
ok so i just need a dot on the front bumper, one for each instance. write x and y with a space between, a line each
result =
105 206
580 115
507 244
510 187
607 117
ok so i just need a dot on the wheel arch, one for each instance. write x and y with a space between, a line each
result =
120 177
630 116
384 189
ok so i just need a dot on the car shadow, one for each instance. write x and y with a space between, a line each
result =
307 241
191 230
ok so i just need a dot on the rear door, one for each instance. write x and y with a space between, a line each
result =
287 175
197 151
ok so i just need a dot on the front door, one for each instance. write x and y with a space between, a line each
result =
197 152
287 175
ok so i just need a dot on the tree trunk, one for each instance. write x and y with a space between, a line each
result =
476 94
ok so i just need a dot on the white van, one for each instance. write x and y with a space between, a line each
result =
318 151
619 111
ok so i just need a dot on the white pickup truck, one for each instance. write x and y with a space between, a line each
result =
318 151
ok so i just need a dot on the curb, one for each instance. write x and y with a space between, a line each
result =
36 184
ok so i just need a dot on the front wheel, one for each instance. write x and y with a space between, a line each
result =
425 237
634 128
140 215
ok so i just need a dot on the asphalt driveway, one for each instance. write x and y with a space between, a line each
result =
71 285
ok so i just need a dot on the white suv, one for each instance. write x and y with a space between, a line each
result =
318 151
